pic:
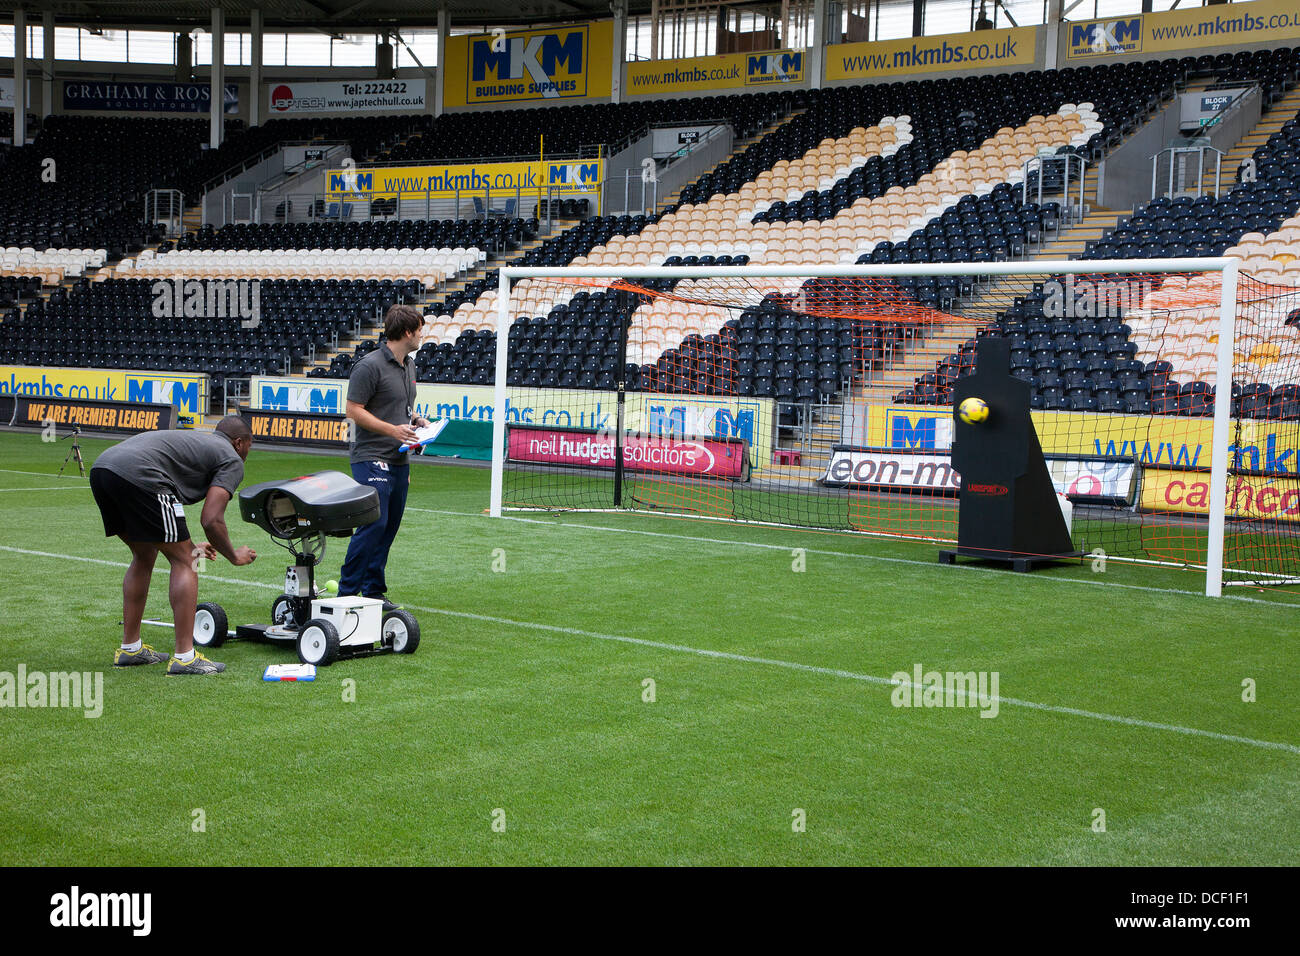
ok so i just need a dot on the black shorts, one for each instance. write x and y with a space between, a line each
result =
135 514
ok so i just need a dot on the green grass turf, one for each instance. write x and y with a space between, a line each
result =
523 698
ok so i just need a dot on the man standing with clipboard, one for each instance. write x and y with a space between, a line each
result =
381 401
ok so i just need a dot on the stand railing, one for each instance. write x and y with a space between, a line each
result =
1183 170
166 207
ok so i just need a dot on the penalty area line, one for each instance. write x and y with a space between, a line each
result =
750 659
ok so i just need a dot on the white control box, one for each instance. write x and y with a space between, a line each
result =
359 620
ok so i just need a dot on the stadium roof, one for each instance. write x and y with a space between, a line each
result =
325 15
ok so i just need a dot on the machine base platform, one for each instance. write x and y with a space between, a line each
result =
1024 562
275 634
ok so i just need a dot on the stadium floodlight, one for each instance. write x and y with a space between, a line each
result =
650 394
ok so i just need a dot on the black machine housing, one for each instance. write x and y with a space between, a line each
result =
327 502
299 513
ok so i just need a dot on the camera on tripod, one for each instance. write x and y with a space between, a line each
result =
75 450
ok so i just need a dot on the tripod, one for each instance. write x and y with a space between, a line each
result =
74 451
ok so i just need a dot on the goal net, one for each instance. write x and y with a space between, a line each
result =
820 397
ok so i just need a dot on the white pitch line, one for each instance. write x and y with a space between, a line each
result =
125 564
747 659
42 474
737 542
49 488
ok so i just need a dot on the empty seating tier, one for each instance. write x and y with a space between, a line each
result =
117 324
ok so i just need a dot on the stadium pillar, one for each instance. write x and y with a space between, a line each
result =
217 101
20 77
817 52
47 63
654 28
918 18
257 25
1055 14
619 55
184 58
444 24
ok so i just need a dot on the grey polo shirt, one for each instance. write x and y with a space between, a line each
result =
386 390
182 463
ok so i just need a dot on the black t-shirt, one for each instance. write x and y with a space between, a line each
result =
387 391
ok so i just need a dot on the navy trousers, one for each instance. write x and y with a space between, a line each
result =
363 568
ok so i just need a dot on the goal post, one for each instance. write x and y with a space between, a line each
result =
1222 411
625 363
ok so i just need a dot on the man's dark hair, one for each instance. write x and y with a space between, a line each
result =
401 321
233 427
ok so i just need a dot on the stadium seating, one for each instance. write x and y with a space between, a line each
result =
496 235
53 265
917 171
1274 70
14 288
116 324
731 225
949 114
1173 325
943 188
430 266
369 136
58 193
573 129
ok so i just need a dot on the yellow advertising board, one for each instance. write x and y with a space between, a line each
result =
1173 441
1247 496
441 182
1221 25
541 66
188 392
951 52
724 72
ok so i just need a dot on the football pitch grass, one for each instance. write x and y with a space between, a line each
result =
521 731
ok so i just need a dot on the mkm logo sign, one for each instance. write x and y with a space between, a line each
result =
1106 37
904 433
549 64
680 421
352 182
300 398
182 393
773 68
575 174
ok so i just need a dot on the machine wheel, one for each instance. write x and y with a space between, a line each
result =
401 632
282 610
318 642
209 625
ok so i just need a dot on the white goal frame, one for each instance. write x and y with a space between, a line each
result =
1227 328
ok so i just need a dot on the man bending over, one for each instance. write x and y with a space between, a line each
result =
140 485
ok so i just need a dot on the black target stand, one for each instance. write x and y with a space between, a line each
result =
1008 509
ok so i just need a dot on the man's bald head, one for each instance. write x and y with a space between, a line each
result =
233 426
240 435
